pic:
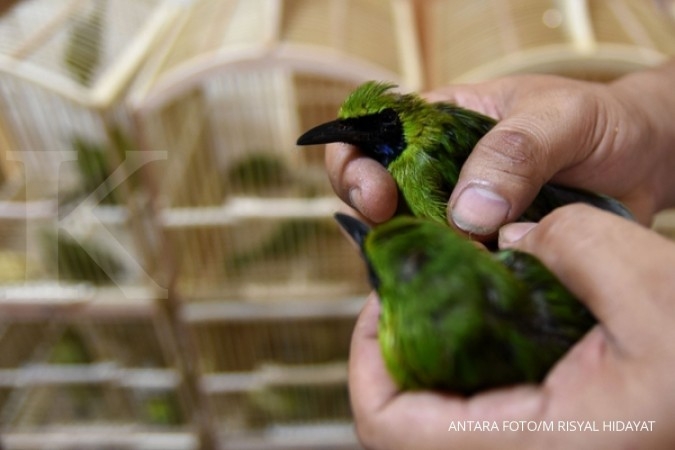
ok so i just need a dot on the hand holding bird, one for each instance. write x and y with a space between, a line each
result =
622 368
570 132
424 145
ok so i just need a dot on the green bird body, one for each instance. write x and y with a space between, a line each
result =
424 145
458 318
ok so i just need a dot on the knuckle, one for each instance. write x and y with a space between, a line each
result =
517 151
557 232
514 145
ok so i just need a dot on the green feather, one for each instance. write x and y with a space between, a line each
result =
458 318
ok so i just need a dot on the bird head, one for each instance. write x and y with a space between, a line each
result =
404 243
371 118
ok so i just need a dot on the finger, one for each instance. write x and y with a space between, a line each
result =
539 137
621 270
432 414
485 98
508 166
361 182
370 384
385 416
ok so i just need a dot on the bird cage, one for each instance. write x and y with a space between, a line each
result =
64 67
267 368
90 371
240 337
49 252
11 184
247 214
467 40
284 408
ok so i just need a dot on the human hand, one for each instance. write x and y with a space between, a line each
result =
610 138
621 370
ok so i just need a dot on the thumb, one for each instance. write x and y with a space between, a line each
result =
547 127
508 166
619 269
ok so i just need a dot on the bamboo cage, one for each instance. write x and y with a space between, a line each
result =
170 273
268 286
247 214
70 200
87 356
274 375
72 374
468 41
63 67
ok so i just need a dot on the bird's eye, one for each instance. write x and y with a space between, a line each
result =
389 116
390 125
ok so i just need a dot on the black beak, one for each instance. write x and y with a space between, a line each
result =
379 135
348 131
358 231
354 227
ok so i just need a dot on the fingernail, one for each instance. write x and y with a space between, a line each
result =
355 199
513 232
479 211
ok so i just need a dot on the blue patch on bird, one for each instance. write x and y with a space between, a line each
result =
386 154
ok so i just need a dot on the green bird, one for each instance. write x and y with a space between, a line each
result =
76 260
71 348
288 240
258 173
94 168
160 408
424 145
458 318
82 54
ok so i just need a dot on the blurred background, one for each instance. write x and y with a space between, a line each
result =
170 274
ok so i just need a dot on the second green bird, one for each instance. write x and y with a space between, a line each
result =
458 318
